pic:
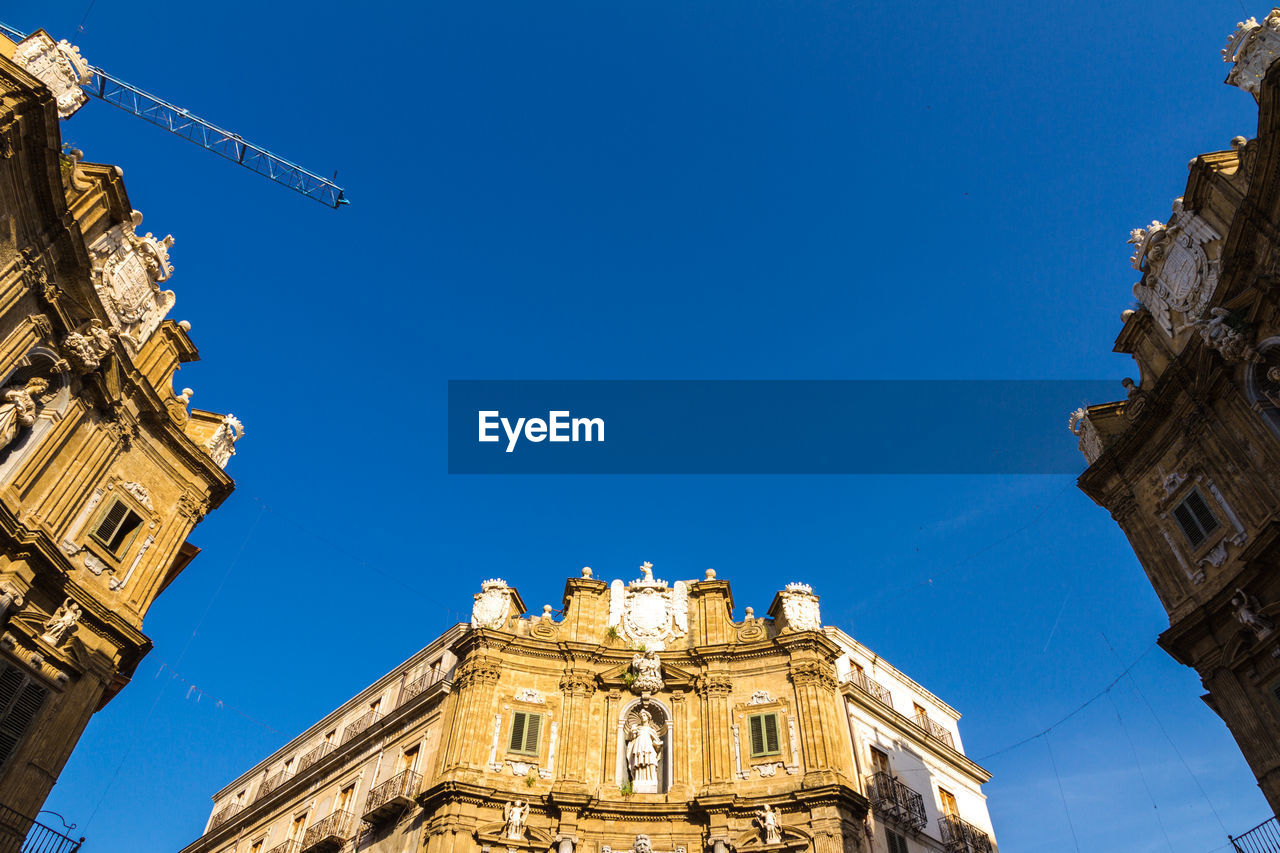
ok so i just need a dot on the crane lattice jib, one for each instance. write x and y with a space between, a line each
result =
207 135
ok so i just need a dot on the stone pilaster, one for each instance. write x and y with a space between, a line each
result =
714 690
576 687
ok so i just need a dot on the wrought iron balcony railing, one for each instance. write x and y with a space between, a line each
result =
874 689
287 847
935 730
359 724
28 835
271 784
960 836
314 755
328 834
420 684
895 801
224 814
392 796
1263 838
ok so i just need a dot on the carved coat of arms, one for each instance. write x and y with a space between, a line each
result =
800 607
1178 275
491 605
648 612
127 271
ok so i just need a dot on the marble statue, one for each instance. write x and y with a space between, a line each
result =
515 816
62 624
643 743
648 671
767 819
19 409
1247 614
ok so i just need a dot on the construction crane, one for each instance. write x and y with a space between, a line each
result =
207 135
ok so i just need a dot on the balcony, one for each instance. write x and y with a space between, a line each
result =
959 836
287 847
269 785
224 814
872 688
314 755
420 684
328 834
391 797
358 725
935 730
896 802
1263 838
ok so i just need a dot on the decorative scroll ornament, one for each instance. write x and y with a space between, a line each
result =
1177 273
1252 47
127 270
760 697
1090 443
19 409
492 604
62 624
800 607
87 346
1246 614
59 66
648 613
221 446
139 492
1219 334
648 673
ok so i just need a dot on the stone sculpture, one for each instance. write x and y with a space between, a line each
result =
643 742
19 409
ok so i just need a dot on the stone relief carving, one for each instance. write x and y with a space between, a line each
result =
59 66
1177 273
644 745
1090 443
648 613
1246 613
647 669
1219 334
87 346
19 409
221 446
769 770
1252 47
139 492
491 605
515 816
760 697
93 564
800 607
767 819
528 694
127 272
10 601
642 844
62 624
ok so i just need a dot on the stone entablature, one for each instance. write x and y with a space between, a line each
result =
561 733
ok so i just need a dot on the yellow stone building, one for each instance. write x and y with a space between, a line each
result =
1189 464
104 470
641 718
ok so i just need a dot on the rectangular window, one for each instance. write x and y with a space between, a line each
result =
298 828
762 729
257 846
409 760
343 801
116 525
525 728
879 761
1195 518
20 701
897 844
948 803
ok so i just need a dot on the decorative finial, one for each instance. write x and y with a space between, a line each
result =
711 574
647 568
586 571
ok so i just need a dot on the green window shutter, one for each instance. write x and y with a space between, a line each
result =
531 733
111 521
771 734
756 724
517 732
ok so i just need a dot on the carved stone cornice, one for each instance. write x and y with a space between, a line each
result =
479 670
714 685
812 673
578 682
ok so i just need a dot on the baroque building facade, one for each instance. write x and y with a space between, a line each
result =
1189 463
641 718
104 469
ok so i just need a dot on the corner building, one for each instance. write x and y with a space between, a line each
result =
643 718
104 469
1189 463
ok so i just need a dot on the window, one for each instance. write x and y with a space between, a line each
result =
1195 518
20 701
879 761
409 760
763 731
330 735
525 728
257 846
897 844
343 800
298 828
116 525
948 803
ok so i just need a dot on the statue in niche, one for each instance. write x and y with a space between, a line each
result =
644 742
62 624
19 409
1247 614
767 820
515 816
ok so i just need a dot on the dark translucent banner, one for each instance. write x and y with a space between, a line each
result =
767 427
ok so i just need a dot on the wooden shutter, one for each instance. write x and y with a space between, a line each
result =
771 734
1195 502
517 732
111 521
897 844
1187 522
531 731
20 701
756 724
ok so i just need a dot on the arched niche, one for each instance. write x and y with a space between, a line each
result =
52 405
628 722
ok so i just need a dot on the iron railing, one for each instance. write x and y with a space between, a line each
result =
404 784
895 801
271 784
359 724
960 836
315 754
933 729
287 847
22 834
224 814
1263 838
420 684
874 689
334 829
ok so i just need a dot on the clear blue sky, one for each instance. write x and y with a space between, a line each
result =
658 190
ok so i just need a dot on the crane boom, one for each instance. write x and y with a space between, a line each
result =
232 146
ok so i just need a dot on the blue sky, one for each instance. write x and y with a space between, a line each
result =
656 190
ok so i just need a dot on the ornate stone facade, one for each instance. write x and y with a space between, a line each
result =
525 732
101 479
1189 464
